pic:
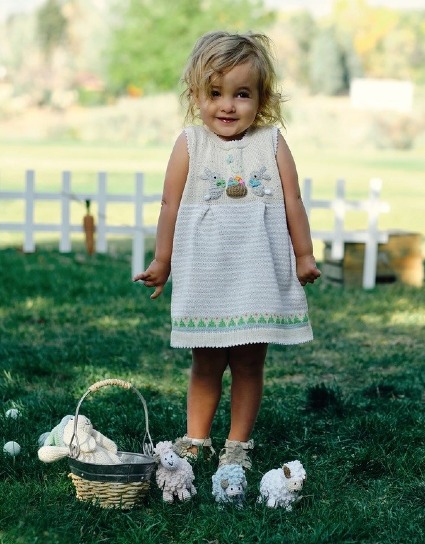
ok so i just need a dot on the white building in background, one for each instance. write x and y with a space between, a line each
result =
382 94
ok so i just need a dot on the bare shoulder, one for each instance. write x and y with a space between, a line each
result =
286 166
284 156
179 158
177 169
180 150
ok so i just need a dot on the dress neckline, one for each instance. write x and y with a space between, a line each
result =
228 144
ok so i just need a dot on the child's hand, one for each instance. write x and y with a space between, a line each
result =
155 275
307 271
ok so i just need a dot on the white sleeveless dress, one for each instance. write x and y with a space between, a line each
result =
233 265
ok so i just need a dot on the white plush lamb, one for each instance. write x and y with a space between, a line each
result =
229 485
174 475
94 447
281 486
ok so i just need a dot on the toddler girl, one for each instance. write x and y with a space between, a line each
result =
234 233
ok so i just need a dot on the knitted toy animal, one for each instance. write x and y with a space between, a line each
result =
229 485
174 474
94 447
55 436
280 486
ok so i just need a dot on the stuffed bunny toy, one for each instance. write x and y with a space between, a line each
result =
92 446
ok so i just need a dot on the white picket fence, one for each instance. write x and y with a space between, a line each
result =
371 237
339 205
137 230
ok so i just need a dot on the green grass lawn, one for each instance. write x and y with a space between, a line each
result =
349 405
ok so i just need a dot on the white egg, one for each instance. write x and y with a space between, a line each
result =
12 448
14 413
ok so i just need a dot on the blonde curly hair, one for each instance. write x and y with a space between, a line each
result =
215 53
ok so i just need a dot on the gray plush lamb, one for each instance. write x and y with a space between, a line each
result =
229 485
174 475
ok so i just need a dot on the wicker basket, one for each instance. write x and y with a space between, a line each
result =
113 486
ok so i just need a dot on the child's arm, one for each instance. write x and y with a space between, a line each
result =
299 229
157 273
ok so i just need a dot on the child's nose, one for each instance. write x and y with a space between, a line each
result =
227 105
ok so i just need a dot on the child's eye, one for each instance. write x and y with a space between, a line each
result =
243 94
214 93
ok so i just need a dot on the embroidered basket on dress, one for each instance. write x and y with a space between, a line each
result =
113 486
236 191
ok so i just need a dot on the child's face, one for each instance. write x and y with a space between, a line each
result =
233 104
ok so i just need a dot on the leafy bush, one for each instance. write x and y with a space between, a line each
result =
396 131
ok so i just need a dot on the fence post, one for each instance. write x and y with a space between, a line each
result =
29 246
101 244
371 244
307 191
339 211
65 238
138 258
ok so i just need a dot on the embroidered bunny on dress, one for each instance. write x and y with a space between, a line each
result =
216 186
255 182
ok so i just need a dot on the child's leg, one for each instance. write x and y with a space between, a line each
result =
246 365
208 366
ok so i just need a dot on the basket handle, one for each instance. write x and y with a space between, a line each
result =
74 449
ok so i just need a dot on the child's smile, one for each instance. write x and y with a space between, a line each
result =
232 106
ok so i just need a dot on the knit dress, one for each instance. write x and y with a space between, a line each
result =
233 266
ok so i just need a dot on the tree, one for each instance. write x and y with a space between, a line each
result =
403 49
387 42
51 26
327 70
153 38
303 28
